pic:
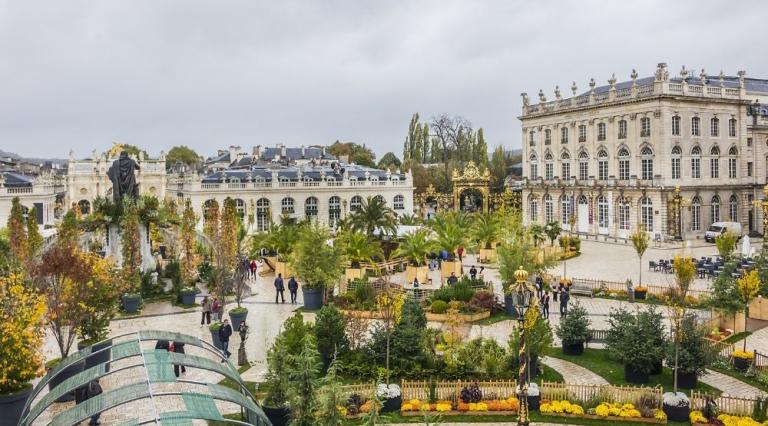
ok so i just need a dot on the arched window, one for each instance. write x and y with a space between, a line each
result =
566 210
240 208
646 214
732 157
715 209
355 203
714 127
565 166
675 125
533 209
676 158
602 213
695 126
646 163
732 128
548 208
380 199
262 214
696 162
696 214
602 165
549 168
583 165
623 164
622 129
84 206
399 202
623 207
714 162
534 172
334 211
733 208
310 207
287 206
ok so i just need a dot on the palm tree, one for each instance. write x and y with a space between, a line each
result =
409 219
485 230
450 230
358 247
537 233
373 214
416 246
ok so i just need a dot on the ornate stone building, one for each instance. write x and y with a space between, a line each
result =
44 193
610 159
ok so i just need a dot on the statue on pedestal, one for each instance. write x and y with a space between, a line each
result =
121 173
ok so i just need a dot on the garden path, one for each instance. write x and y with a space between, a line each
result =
757 341
730 386
573 373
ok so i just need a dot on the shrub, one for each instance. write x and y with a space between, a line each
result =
636 339
574 328
694 354
439 307
461 291
483 300
330 333
743 355
364 292
471 393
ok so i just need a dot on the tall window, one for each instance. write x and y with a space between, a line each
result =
732 153
531 138
602 211
534 171
565 166
399 202
715 209
583 166
714 127
695 124
646 162
287 206
623 206
582 133
310 207
240 208
565 209
696 214
732 127
645 127
646 214
675 125
622 129
733 209
548 208
714 163
549 172
623 164
563 134
334 211
601 131
547 136
602 165
676 154
534 209
356 202
696 162
262 214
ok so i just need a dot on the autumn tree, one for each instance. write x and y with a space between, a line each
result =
131 242
498 167
389 161
188 243
358 154
34 239
17 233
183 154
748 286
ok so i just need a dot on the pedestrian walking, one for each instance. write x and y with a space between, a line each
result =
545 304
224 332
216 309
554 292
93 389
177 347
254 268
473 273
480 272
539 285
206 317
460 252
279 288
564 298
452 279
293 288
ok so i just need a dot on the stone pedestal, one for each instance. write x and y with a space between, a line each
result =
114 247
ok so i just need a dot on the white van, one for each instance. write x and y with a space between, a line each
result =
718 228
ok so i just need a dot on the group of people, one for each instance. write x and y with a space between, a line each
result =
211 309
563 291
293 288
250 267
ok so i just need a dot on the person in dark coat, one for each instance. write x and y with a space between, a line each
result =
224 332
452 279
162 344
565 296
539 285
178 347
545 304
279 288
93 389
473 273
293 287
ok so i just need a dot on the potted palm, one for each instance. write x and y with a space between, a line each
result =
573 330
356 248
485 230
373 215
316 263
450 234
415 247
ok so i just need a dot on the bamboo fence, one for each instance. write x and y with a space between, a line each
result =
603 393
725 404
450 390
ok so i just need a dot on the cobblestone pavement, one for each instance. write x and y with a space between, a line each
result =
573 373
730 386
757 341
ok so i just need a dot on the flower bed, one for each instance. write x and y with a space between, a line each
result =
507 406
605 411
697 418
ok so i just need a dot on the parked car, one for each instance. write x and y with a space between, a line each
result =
719 228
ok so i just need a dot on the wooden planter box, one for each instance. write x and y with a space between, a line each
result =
448 266
487 255
351 274
464 317
422 272
362 314
283 268
461 413
606 419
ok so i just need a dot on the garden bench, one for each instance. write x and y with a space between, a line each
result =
581 289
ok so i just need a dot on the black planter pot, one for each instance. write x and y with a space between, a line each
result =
188 298
658 368
12 407
278 416
235 318
392 404
102 357
131 303
215 339
64 375
741 364
687 380
677 414
640 295
573 348
313 298
633 376
509 306
533 402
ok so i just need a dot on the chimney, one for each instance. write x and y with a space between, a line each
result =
303 152
233 151
257 151
282 150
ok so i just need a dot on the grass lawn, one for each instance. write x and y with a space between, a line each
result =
598 361
495 317
233 385
550 375
737 337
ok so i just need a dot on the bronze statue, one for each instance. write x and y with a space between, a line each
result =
121 173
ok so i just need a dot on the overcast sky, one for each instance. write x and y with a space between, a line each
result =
157 73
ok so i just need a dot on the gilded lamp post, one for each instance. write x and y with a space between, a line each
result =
522 294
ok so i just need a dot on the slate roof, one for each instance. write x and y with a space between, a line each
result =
292 173
731 82
15 180
294 154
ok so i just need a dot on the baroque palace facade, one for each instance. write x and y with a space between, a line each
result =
669 154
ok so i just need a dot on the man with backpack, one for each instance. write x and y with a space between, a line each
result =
293 287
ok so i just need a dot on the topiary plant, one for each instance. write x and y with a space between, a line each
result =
574 327
439 307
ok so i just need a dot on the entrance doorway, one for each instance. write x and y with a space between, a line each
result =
583 215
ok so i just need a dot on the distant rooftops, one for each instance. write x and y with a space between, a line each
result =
304 173
16 180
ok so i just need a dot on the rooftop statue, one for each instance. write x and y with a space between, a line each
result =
121 173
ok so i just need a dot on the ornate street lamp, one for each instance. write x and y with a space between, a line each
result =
522 295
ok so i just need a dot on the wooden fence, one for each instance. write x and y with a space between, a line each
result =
725 404
448 390
602 393
597 336
364 389
761 361
616 286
